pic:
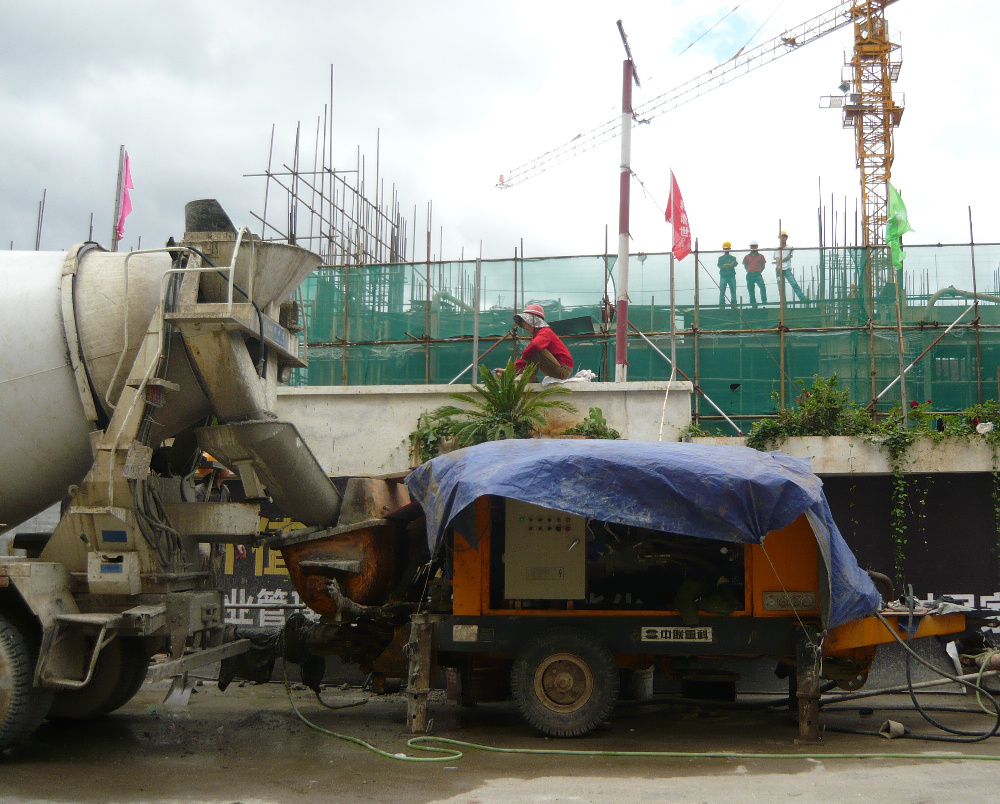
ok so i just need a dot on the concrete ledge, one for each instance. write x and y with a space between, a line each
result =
846 455
361 430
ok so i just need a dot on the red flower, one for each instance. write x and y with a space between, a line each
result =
913 403
928 402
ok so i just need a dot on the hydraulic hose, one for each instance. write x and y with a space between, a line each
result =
961 736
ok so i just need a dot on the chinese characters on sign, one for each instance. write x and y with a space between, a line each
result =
259 590
265 608
657 634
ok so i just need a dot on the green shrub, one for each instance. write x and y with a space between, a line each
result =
501 406
594 426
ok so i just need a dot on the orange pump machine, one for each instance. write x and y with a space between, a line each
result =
583 587
561 572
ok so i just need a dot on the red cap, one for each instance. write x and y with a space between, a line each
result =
535 309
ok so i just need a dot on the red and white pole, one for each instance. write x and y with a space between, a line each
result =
621 297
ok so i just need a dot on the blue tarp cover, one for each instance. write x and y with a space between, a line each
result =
714 492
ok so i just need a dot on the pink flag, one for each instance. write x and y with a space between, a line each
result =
126 201
677 215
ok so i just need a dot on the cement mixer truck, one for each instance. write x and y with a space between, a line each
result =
111 363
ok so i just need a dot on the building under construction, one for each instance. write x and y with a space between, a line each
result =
373 317
415 323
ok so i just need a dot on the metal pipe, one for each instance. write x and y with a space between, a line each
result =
869 277
918 357
955 293
624 182
475 314
494 346
673 322
514 306
781 314
419 339
694 329
41 219
975 318
343 360
118 199
905 688
685 376
427 302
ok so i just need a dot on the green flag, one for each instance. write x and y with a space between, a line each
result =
897 226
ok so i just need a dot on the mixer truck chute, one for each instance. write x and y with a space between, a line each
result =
106 358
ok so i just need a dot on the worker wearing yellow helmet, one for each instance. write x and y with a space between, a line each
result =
727 275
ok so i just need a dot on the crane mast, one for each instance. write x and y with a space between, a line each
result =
872 112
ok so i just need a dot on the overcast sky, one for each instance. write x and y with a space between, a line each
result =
462 92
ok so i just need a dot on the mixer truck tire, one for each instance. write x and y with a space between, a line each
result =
565 682
119 674
22 706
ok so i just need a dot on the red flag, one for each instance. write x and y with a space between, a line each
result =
126 201
677 215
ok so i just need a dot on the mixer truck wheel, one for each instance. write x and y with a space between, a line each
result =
565 682
22 706
121 669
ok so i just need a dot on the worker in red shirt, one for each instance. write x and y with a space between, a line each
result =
546 349
754 263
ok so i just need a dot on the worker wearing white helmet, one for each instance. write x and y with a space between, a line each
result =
783 266
727 275
754 262
546 349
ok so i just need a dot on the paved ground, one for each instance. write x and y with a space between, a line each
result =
247 745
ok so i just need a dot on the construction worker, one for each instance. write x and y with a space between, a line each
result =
754 262
546 349
727 275
783 266
212 488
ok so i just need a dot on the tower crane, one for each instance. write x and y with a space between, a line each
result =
869 107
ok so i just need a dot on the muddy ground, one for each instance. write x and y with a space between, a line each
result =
247 745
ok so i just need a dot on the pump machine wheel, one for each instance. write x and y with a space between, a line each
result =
565 682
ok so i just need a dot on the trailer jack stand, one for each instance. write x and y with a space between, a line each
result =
419 675
808 695
807 686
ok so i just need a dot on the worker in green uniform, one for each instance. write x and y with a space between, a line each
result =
727 275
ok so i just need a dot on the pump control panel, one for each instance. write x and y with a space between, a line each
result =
545 553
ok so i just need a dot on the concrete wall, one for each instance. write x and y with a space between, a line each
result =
846 455
364 430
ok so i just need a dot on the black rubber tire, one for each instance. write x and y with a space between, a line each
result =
565 682
121 669
22 706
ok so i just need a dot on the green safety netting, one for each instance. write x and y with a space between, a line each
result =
387 325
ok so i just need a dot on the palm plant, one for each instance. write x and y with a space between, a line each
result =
503 407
